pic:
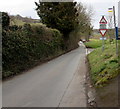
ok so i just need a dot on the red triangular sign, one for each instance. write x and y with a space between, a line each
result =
103 31
103 20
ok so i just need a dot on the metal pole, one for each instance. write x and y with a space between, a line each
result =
114 16
115 30
103 44
110 24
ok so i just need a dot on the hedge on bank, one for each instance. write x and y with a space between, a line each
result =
26 45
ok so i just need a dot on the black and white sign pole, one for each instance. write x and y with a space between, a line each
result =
115 30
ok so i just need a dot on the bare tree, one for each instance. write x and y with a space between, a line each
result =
85 18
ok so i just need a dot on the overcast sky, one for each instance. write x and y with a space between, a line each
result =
27 8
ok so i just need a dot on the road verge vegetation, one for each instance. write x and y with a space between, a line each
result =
103 64
24 46
93 43
26 43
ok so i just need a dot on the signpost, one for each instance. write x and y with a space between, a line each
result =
103 38
103 30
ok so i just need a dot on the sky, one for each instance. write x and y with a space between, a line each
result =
100 7
26 8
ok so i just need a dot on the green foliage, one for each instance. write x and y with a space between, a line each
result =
104 65
84 20
93 43
19 20
74 38
59 15
5 20
14 27
25 46
96 43
71 19
16 22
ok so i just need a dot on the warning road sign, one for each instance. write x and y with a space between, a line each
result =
103 31
103 20
103 24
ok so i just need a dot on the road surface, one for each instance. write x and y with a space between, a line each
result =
57 83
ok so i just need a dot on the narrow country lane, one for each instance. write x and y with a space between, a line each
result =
58 83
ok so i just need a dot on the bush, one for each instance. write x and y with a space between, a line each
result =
5 20
23 47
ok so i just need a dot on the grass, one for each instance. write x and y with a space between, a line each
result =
17 22
95 43
104 65
37 24
21 23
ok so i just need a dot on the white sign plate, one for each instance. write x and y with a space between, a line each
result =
103 38
103 31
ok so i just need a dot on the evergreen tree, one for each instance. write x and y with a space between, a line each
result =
5 20
59 15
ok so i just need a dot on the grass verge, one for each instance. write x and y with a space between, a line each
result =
95 43
103 65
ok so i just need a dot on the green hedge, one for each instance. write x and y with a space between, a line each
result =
26 45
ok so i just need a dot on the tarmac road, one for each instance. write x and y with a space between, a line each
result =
57 83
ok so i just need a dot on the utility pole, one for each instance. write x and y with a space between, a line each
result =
115 30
